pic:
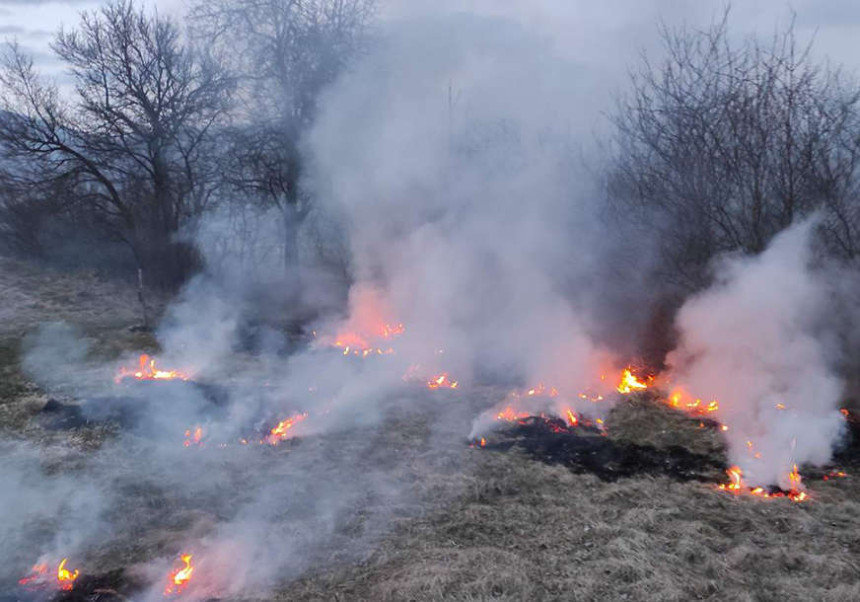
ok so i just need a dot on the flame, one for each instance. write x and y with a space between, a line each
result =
39 576
442 381
178 579
147 370
572 419
630 383
483 442
511 415
834 474
64 577
37 573
736 481
282 431
194 438
736 486
680 401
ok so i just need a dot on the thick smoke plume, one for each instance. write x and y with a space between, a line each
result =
753 342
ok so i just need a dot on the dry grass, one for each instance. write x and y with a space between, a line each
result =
525 530
473 524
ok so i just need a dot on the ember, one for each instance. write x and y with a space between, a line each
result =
194 438
442 381
147 370
179 578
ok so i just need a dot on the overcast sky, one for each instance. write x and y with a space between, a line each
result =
609 33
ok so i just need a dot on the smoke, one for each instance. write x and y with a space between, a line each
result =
755 341
451 155
465 198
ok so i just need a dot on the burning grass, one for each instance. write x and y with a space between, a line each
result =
471 523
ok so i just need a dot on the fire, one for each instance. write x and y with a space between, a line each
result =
363 344
39 576
511 415
541 389
194 438
735 483
442 381
630 383
147 370
64 577
282 431
693 406
834 474
178 579
736 486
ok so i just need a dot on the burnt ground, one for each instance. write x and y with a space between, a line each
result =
527 517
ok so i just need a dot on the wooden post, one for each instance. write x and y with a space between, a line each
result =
140 298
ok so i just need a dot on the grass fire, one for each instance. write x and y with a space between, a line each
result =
396 300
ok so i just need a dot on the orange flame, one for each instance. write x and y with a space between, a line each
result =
630 383
148 371
736 486
678 400
442 381
178 579
64 577
282 431
511 415
39 576
195 438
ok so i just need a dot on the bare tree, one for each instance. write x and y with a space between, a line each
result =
723 145
129 144
284 52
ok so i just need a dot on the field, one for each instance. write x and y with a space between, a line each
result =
444 520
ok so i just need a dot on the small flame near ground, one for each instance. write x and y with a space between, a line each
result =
736 486
39 576
193 437
366 344
179 577
442 381
147 370
281 432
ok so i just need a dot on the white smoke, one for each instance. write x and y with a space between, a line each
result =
458 184
754 342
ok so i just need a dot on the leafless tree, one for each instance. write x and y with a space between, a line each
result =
722 145
129 144
284 53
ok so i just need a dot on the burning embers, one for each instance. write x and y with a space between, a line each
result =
796 492
442 381
180 576
147 370
42 577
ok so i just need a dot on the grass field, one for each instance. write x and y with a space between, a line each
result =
454 522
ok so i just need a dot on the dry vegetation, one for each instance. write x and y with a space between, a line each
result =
474 524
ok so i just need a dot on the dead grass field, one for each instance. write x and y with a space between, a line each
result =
474 524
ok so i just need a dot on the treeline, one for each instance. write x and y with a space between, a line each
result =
715 148
162 121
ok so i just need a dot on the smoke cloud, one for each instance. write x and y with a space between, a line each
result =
754 342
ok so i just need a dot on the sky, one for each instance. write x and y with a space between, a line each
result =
611 33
